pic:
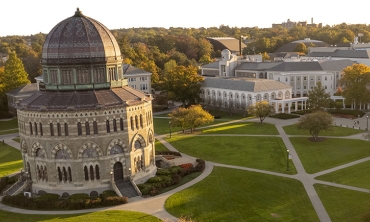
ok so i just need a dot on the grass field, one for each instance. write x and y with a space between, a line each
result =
337 131
319 156
236 195
243 128
10 160
344 205
357 176
10 124
265 153
17 139
159 146
109 215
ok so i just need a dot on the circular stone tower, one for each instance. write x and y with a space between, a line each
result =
85 130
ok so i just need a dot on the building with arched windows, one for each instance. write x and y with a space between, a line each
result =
85 130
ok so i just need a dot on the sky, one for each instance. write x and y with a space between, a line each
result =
25 17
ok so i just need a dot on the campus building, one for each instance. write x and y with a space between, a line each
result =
85 130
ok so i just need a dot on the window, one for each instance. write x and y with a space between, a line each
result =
326 87
133 86
59 130
304 87
31 129
132 123
41 132
141 121
286 79
137 122
79 129
318 78
87 127
237 96
326 78
143 78
311 78
92 173
144 87
292 79
299 78
107 126
114 125
278 78
131 79
121 124
51 129
66 133
95 126
305 78
70 174
97 172
86 173
36 129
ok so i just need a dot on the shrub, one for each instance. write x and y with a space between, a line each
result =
176 170
155 180
168 152
112 201
108 193
48 196
200 166
165 172
78 196
166 180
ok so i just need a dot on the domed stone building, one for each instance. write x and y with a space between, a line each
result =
85 130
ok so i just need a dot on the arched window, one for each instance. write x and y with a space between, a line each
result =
79 129
86 173
51 129
36 133
108 126
141 121
132 123
66 133
31 129
97 172
91 172
39 172
87 126
95 126
59 129
70 174
59 174
64 174
121 124
114 125
41 131
137 122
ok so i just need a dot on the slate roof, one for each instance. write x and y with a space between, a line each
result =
213 65
132 70
229 43
60 100
291 46
364 54
322 65
23 90
244 84
257 65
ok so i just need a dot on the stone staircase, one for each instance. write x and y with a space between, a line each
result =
126 188
14 189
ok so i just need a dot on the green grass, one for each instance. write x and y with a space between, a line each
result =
159 146
109 215
17 139
265 153
337 131
344 205
236 195
243 128
10 160
9 131
319 156
357 176
183 181
10 124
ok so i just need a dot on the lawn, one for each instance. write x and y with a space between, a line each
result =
10 160
236 195
344 205
319 156
243 128
337 131
9 131
109 215
225 116
10 124
17 139
159 146
265 153
357 176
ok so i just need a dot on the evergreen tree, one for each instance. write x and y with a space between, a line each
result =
318 98
14 74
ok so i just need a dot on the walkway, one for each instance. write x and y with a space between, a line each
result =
155 205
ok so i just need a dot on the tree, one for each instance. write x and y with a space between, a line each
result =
315 122
318 98
355 80
260 109
183 84
301 47
191 117
13 75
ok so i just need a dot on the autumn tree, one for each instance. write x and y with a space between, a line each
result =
301 47
316 122
260 109
13 75
183 84
355 82
318 98
191 117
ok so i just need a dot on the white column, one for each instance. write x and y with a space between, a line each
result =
282 107
296 106
289 105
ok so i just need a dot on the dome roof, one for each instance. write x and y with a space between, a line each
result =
79 38
307 41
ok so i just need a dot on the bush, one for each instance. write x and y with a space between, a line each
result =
48 196
284 116
168 152
200 166
78 196
155 179
355 113
165 172
112 201
5 115
108 193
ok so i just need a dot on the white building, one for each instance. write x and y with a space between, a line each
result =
137 78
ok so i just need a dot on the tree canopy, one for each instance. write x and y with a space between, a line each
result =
318 98
261 110
191 117
183 84
315 122
355 82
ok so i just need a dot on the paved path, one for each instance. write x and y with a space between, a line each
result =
155 205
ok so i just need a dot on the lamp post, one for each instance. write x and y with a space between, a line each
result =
111 176
367 123
287 160
169 124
